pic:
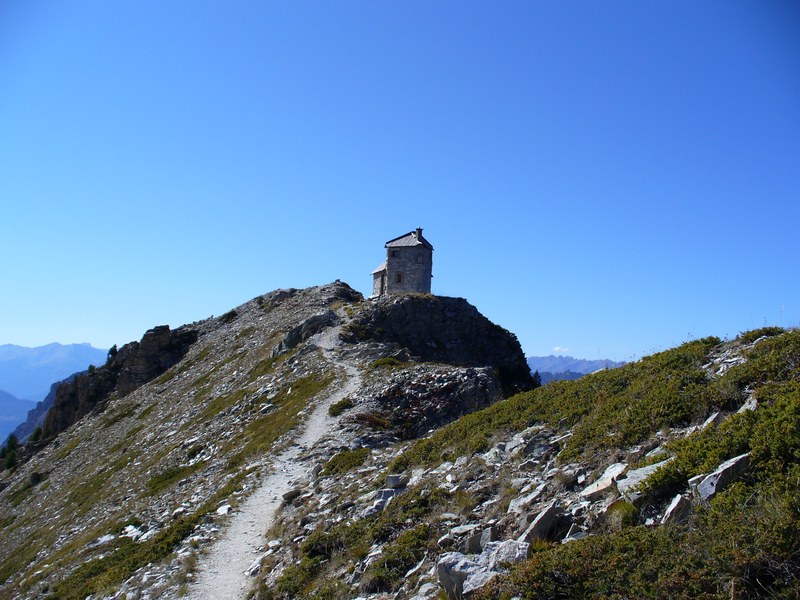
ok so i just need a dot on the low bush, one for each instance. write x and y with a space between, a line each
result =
344 461
337 408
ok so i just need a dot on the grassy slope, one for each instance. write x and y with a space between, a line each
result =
743 545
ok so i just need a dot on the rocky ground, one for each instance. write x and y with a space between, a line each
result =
491 508
164 488
273 456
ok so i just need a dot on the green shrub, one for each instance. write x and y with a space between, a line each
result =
344 461
166 478
229 317
751 336
397 558
374 420
386 362
295 578
337 408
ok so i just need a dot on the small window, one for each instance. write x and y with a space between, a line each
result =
395 253
398 278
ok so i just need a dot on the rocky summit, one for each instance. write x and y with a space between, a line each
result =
137 456
313 444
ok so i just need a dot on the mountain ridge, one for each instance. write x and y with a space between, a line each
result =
236 395
395 474
564 363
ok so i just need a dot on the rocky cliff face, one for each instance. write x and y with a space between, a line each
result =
134 365
439 329
36 416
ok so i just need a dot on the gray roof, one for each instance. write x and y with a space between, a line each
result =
412 238
380 268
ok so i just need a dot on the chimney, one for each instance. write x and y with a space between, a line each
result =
419 234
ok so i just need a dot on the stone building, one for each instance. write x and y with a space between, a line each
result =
408 266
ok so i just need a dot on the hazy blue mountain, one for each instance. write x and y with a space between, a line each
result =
562 364
28 372
13 410
547 376
36 414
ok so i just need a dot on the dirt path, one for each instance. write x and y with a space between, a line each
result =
222 573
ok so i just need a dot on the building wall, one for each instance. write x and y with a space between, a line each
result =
377 288
414 266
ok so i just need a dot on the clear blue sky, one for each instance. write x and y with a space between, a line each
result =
605 178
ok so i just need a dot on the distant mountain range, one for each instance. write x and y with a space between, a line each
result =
27 374
12 412
554 367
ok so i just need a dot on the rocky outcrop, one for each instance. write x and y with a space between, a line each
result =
723 476
134 365
305 330
159 349
37 414
461 575
418 398
441 329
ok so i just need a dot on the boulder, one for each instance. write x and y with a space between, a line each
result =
542 525
476 581
575 533
678 510
518 505
453 569
461 575
496 554
292 495
488 535
395 482
472 545
305 330
713 420
725 474
628 483
604 483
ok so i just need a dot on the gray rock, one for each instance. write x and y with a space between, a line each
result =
713 420
496 554
472 545
396 481
453 569
604 483
694 482
461 575
678 510
465 529
632 479
425 592
490 534
542 525
382 498
476 581
292 495
575 533
305 330
518 505
725 474
750 404
386 493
